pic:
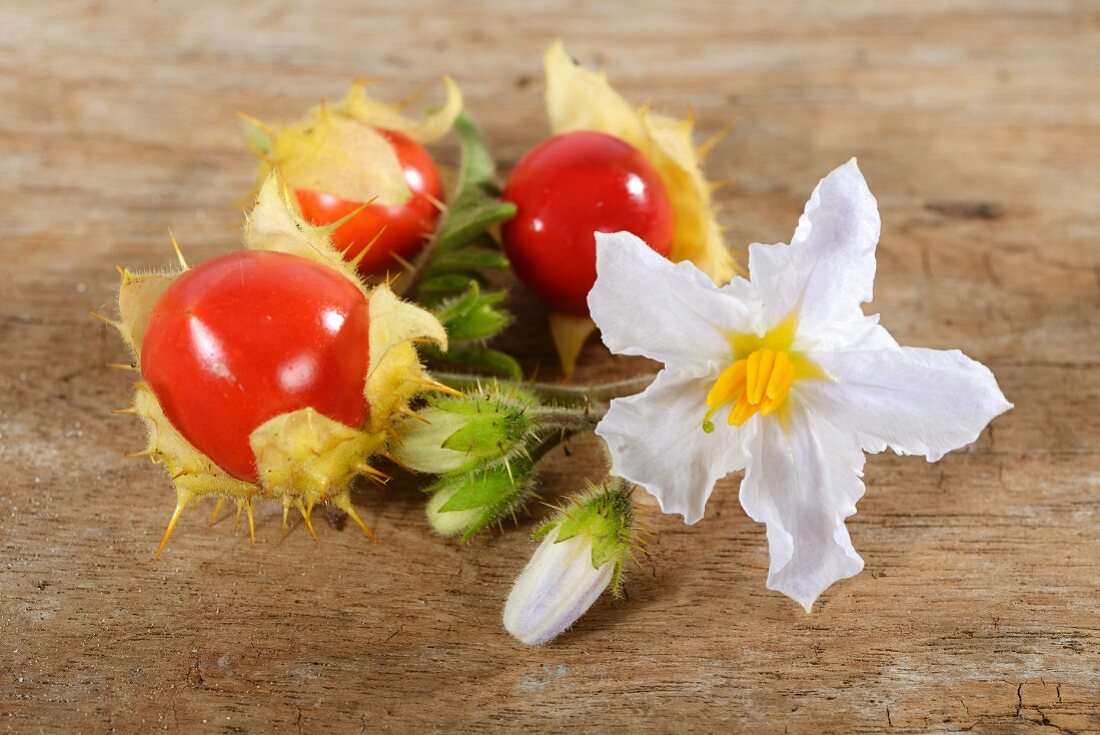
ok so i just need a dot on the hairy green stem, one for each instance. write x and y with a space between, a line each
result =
581 420
563 395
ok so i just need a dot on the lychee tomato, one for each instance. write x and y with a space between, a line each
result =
404 227
251 335
565 190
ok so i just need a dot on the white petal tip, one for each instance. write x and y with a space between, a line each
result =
691 516
530 638
525 637
806 603
849 168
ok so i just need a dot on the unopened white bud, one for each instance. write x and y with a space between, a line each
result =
557 586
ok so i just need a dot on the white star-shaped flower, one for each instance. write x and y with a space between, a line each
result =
782 375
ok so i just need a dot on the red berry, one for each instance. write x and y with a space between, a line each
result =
406 225
568 188
251 335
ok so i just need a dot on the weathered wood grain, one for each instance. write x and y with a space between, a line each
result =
978 126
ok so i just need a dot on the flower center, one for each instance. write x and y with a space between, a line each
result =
761 376
757 383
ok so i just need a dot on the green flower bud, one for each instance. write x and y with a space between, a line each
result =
458 434
466 503
450 522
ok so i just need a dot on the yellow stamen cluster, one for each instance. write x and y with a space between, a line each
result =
757 383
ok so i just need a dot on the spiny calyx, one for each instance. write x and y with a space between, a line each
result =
301 456
339 150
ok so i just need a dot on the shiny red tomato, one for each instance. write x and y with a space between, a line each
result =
568 188
407 226
250 335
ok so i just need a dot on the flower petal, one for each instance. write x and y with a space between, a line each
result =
916 401
828 270
646 305
656 440
555 589
803 483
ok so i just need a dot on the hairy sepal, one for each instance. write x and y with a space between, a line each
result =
483 445
338 149
306 455
340 156
455 435
605 516
274 224
467 503
360 106
395 375
193 473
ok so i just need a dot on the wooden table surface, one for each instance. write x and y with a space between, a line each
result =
977 125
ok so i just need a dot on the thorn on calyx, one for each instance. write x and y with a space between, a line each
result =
183 499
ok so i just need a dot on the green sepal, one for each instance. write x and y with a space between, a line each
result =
435 288
490 392
494 492
495 432
472 316
478 324
490 431
457 307
605 514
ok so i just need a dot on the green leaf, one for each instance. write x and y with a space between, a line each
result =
479 358
445 285
466 225
478 168
470 259
475 206
481 322
456 308
463 252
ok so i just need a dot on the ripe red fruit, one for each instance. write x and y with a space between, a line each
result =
251 335
406 225
568 188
